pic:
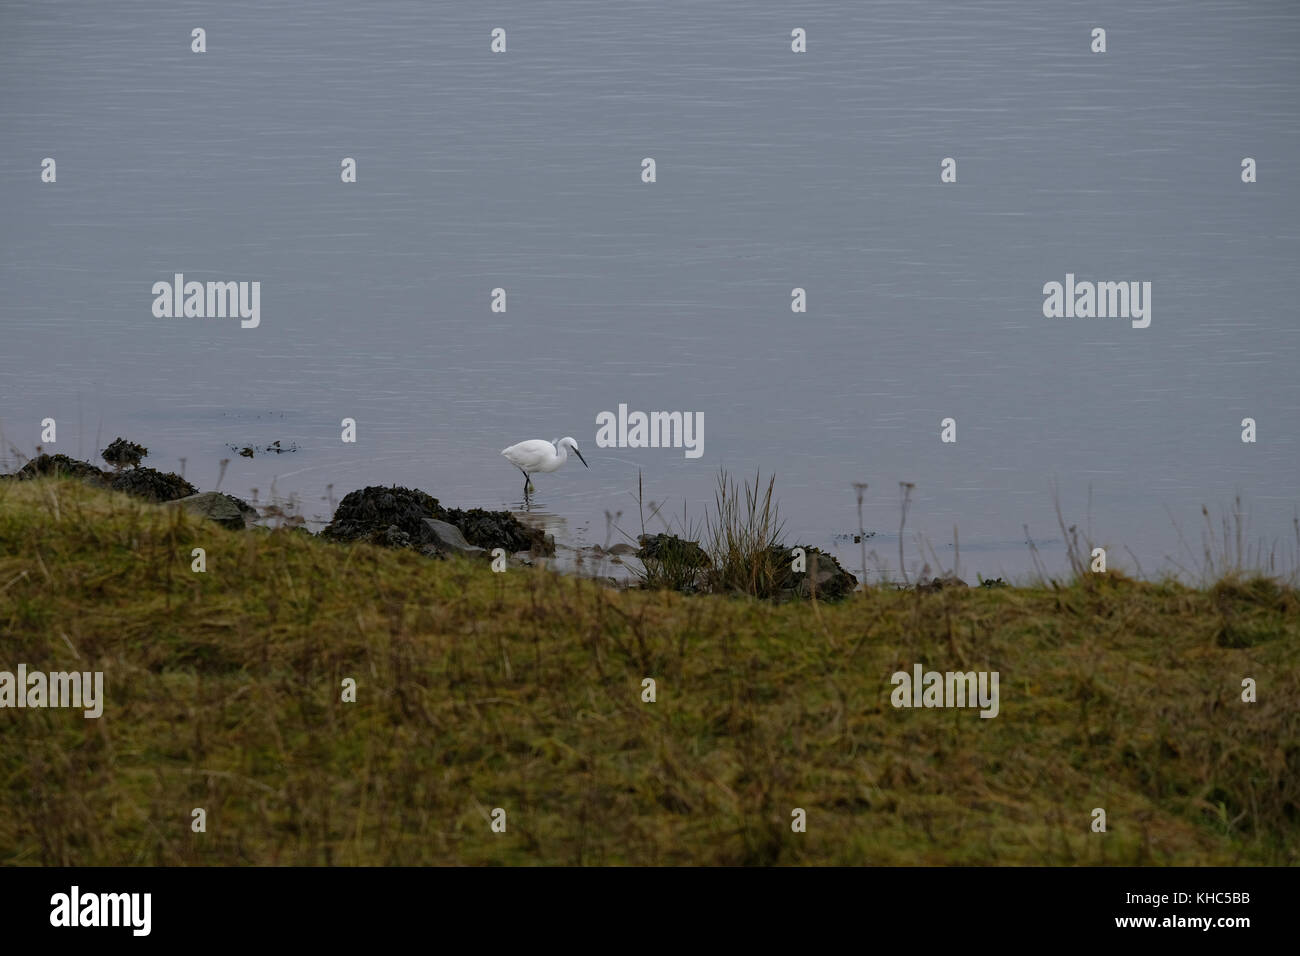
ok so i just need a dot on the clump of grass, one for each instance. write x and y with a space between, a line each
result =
670 561
1228 551
744 539
743 552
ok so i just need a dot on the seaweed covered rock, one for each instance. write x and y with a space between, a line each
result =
667 548
394 517
831 581
938 584
375 510
50 466
142 482
672 563
152 485
225 510
498 529
47 466
391 537
124 454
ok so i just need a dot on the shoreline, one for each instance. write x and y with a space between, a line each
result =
572 552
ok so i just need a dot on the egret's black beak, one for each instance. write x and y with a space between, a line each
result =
580 458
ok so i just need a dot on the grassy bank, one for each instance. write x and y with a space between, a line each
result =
522 690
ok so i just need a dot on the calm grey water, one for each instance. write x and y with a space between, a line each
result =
775 170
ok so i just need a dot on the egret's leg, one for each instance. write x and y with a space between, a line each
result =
527 482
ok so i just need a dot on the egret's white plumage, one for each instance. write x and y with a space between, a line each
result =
535 456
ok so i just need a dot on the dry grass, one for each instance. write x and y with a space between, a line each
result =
523 690
743 539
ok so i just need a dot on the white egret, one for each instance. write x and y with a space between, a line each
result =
536 455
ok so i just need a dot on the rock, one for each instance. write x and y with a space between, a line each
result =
141 482
498 529
938 584
368 514
123 453
621 548
669 547
225 510
391 537
375 510
55 465
671 563
832 581
447 537
152 485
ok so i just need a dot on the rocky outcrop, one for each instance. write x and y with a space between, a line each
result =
152 485
667 548
395 517
138 481
823 575
939 584
498 529
51 466
374 510
225 510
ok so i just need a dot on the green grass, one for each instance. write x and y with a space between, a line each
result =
522 690
744 537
